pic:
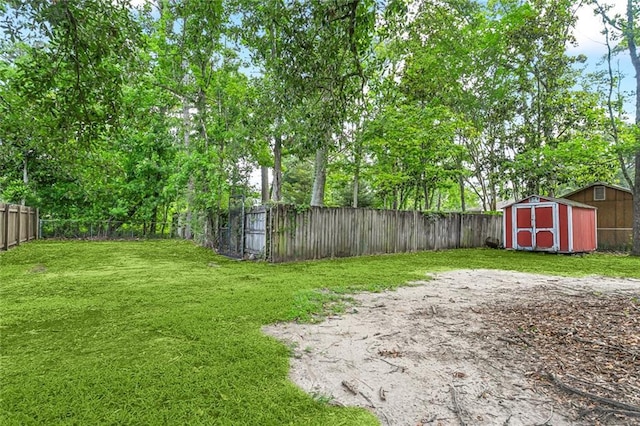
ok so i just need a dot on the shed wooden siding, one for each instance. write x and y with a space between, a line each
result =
321 232
615 215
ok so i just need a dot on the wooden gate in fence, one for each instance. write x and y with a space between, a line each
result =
17 225
255 232
285 233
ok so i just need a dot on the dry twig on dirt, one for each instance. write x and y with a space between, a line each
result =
350 387
456 405
608 401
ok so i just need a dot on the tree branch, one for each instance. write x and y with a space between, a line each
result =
604 15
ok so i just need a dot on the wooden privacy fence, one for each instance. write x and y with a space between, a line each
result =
17 225
290 234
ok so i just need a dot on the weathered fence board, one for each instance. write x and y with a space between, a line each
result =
319 232
18 224
255 228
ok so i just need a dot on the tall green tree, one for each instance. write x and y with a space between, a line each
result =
628 30
314 52
61 72
193 60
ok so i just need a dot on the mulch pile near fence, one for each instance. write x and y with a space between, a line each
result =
586 347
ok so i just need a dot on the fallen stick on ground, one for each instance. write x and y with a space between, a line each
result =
587 382
399 367
368 399
525 341
350 387
548 419
605 345
593 397
456 406
382 394
508 340
620 412
385 417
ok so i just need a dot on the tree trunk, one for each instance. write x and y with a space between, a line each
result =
630 34
357 159
186 121
264 186
276 189
463 204
356 186
425 189
25 176
494 197
164 219
319 177
612 116
154 220
404 195
635 250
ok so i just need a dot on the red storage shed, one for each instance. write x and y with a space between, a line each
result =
556 225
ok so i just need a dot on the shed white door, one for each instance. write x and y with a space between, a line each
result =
536 227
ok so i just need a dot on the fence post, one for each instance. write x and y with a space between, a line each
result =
32 229
28 223
267 234
6 227
460 223
18 224
38 232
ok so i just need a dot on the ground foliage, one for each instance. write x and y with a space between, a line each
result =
166 332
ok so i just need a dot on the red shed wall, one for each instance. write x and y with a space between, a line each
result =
584 229
563 227
508 228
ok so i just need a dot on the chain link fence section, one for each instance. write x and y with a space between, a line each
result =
104 229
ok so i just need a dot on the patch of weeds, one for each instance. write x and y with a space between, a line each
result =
311 306
322 398
381 287
293 350
38 269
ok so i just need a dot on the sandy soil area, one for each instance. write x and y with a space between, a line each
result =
453 350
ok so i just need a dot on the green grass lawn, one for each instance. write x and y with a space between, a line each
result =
164 332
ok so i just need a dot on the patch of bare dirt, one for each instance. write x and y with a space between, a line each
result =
480 347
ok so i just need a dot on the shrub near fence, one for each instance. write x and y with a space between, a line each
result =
320 232
18 224
103 229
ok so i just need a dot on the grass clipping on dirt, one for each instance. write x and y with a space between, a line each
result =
585 345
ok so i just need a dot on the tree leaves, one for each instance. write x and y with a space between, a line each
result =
129 112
